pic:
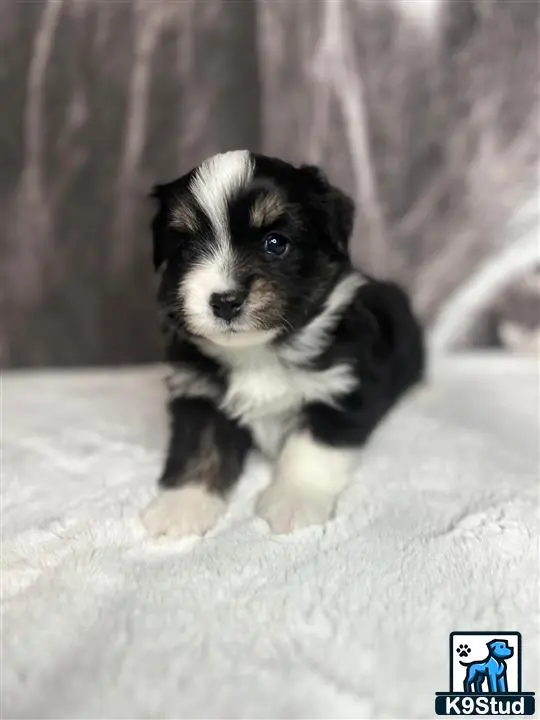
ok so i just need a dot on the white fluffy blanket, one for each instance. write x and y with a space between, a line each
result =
437 533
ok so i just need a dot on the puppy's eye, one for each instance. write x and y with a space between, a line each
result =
182 251
275 244
187 251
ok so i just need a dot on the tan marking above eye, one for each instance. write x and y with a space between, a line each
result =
184 218
266 209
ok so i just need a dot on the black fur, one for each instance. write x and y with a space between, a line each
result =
190 419
381 337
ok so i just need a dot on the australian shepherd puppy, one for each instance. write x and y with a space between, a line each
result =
275 341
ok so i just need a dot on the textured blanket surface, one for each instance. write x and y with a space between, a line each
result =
438 532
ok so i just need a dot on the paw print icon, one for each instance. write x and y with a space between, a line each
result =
463 651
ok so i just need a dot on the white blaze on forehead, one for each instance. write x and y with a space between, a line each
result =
216 182
213 186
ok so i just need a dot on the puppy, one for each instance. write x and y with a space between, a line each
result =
276 343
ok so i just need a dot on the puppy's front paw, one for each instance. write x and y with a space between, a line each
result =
189 510
287 509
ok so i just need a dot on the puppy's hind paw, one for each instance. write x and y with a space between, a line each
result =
189 510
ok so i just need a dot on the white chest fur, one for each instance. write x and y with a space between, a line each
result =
266 393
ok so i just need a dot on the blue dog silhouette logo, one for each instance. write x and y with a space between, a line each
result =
485 676
489 674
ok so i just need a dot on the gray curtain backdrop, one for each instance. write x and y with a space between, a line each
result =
426 112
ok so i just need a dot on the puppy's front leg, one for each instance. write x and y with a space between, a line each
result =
206 455
308 478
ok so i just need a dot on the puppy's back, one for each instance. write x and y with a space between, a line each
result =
396 354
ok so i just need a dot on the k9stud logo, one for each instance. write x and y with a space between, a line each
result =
485 676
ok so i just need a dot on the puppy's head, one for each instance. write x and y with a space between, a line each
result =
248 246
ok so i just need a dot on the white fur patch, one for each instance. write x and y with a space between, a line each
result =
307 463
266 394
268 387
242 339
269 432
216 181
312 339
188 383
207 277
308 478
189 510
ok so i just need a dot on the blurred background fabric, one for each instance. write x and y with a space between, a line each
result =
425 111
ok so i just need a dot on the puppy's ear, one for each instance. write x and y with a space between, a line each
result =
159 226
165 197
338 207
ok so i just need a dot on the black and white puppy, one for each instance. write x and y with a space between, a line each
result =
275 341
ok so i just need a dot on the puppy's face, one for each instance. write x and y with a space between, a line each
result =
248 247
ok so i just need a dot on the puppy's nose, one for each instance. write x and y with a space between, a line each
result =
227 305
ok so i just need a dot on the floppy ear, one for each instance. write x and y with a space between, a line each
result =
164 196
338 207
159 226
